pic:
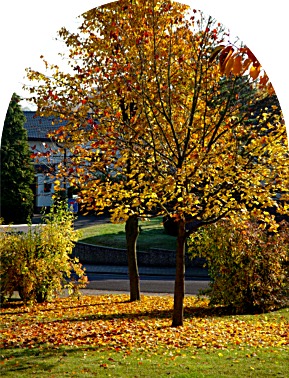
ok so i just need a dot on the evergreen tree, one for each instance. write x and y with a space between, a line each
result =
16 174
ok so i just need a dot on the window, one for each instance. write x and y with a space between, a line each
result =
47 187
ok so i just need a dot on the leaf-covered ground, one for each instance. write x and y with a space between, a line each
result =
111 322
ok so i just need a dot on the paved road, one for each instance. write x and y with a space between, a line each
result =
148 285
152 279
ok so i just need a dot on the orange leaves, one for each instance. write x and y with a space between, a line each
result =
251 56
113 323
114 34
237 62
237 65
224 57
255 71
52 95
264 80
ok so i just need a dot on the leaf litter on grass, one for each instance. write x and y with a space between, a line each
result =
111 322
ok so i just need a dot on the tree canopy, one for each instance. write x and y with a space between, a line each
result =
156 123
17 173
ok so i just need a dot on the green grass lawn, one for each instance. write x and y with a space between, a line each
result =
152 235
185 363
108 336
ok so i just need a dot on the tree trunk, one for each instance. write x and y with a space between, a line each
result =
179 292
132 232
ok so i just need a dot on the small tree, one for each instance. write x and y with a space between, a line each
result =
17 173
181 123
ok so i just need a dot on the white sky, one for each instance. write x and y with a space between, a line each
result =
27 29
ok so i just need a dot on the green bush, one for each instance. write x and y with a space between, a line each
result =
38 263
248 266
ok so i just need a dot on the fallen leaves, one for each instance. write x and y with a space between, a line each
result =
111 322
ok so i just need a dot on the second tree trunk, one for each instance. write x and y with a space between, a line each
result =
179 292
132 232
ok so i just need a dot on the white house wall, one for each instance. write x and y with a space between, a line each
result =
43 197
44 180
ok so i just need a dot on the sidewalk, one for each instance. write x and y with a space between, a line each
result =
80 222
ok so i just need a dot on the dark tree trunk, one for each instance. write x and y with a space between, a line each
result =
179 292
132 231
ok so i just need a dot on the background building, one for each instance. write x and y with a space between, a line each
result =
46 156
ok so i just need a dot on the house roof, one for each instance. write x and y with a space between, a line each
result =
39 127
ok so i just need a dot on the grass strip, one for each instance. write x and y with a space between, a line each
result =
152 235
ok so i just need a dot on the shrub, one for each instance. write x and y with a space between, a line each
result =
38 264
248 266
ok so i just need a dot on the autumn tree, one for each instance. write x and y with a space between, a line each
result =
17 173
151 107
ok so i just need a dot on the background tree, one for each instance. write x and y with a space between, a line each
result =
190 136
17 173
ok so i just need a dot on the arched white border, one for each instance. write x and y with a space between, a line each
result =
262 25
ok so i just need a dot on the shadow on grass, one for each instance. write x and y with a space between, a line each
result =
148 238
115 240
34 358
189 312
18 303
40 354
201 312
11 304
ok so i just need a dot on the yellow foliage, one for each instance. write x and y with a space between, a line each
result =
154 124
